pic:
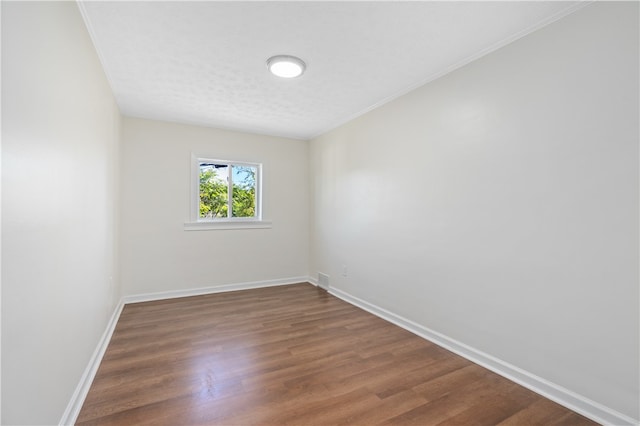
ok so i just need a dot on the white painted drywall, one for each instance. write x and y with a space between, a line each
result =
158 255
60 144
498 205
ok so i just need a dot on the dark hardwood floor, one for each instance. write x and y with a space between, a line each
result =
293 355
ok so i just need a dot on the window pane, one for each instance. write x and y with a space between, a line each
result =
214 190
244 191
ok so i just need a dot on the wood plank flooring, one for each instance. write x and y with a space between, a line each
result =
293 355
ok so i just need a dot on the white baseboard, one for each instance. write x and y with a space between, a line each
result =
578 403
77 399
173 294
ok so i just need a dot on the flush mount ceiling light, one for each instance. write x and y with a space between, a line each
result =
286 66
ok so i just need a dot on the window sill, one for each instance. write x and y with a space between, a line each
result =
227 224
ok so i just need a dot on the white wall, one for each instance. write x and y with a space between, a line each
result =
159 255
499 205
60 141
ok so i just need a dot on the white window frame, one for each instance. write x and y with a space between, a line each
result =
198 223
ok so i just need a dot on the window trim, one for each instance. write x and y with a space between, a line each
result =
198 223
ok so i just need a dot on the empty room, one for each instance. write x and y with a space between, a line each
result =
320 213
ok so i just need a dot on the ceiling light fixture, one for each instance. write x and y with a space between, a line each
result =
286 66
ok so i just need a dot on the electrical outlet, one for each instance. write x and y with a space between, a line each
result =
345 271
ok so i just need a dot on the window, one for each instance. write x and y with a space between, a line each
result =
225 193
227 190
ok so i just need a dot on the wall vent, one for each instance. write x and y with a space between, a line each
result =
323 281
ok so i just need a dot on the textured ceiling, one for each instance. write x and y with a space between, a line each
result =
204 62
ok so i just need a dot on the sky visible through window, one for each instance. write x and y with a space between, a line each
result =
222 171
